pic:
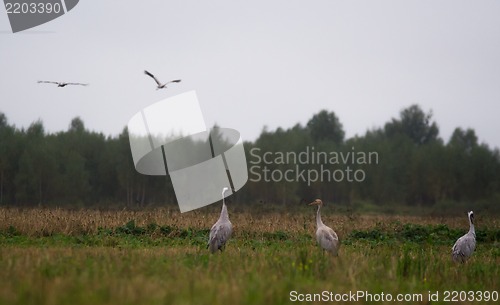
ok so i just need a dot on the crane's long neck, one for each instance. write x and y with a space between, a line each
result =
223 213
471 229
319 223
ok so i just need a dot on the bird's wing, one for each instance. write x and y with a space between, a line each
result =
80 84
333 234
464 246
174 81
328 239
219 234
213 243
47 82
213 240
213 231
327 231
154 77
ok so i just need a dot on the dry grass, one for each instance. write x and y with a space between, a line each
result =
41 222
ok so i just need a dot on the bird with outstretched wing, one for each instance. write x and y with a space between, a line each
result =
159 84
61 84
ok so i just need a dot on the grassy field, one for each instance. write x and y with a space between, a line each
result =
53 256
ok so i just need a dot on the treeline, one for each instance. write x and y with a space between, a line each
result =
405 162
414 165
74 168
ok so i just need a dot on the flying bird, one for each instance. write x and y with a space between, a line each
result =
465 245
61 84
221 230
160 85
326 237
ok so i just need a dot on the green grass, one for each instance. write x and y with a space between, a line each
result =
139 262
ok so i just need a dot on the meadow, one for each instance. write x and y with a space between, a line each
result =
159 256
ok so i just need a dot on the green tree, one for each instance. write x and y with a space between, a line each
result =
77 126
463 140
7 153
415 124
37 165
325 126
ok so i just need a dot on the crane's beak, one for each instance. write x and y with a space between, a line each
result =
313 203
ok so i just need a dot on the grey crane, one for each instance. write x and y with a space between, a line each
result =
465 245
61 84
326 237
159 84
221 231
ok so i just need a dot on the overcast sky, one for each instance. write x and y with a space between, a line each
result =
259 63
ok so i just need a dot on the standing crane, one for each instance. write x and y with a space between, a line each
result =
221 230
465 245
159 84
326 237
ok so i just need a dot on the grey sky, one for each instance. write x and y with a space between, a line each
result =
256 63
